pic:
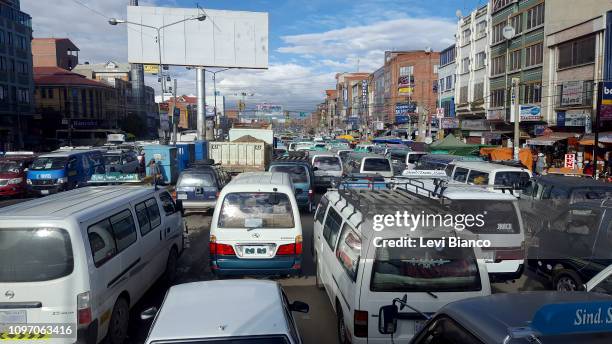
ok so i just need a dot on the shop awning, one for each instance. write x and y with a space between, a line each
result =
550 140
589 140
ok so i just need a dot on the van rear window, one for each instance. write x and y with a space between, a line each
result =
298 173
196 180
376 164
499 217
256 210
34 254
327 163
447 269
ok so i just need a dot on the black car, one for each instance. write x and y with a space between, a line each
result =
302 177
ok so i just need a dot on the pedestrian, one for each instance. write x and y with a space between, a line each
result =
540 164
155 172
588 168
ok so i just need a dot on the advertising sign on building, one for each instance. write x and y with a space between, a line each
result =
572 118
474 124
572 93
570 161
449 123
606 102
402 119
404 81
404 108
496 115
405 90
439 112
151 69
364 93
528 113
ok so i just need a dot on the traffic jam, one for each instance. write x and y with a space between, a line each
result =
276 238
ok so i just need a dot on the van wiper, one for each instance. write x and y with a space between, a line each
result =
432 294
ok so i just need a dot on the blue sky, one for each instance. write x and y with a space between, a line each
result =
309 41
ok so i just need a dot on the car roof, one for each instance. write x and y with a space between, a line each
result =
223 308
572 182
360 155
476 193
75 202
18 157
67 153
487 166
481 315
262 178
449 157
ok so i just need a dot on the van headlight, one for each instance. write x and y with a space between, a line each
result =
29 181
62 180
15 181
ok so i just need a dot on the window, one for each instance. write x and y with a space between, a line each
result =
465 36
406 71
376 165
332 227
9 37
43 92
481 28
535 16
460 174
21 42
102 242
167 203
480 59
498 97
327 163
2 41
449 82
3 63
499 4
298 173
22 68
349 251
515 60
576 53
435 69
532 93
148 216
517 23
479 91
442 85
124 229
446 330
533 55
34 254
3 93
497 34
463 94
465 65
23 96
498 65
511 178
478 178
321 209
256 210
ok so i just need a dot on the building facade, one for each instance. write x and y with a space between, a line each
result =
574 62
16 81
331 119
520 56
446 81
55 52
377 89
351 106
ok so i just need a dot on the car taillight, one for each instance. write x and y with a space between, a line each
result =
174 195
509 253
361 323
298 244
221 249
310 194
285 250
84 308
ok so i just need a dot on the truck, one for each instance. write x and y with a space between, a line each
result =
241 156
263 133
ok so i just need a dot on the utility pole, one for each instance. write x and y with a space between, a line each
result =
517 116
200 84
174 119
596 131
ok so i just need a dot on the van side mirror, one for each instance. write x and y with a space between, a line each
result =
387 319
299 306
148 313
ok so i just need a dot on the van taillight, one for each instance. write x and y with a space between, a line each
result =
298 244
221 249
290 249
361 323
509 253
310 194
84 308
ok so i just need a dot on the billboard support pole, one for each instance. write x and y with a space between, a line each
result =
596 131
200 84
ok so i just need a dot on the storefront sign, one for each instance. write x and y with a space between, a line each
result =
405 90
572 93
572 118
606 102
474 124
151 69
570 160
403 81
496 115
85 124
488 135
439 112
449 123
402 119
404 108
364 93
529 113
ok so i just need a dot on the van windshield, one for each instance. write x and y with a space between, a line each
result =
10 166
51 163
327 163
195 180
422 269
511 178
376 164
239 340
34 254
256 210
298 173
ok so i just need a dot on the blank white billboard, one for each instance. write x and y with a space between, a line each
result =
232 39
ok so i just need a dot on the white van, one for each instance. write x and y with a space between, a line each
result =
256 227
360 276
86 256
368 163
326 167
487 173
412 158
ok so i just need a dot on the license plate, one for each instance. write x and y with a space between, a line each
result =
488 256
181 196
13 317
255 251
44 192
418 326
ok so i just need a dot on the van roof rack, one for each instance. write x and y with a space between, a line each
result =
297 158
440 185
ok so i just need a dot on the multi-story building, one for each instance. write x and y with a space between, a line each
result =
446 81
410 79
152 110
574 62
378 111
17 125
520 56
331 97
472 74
351 107
55 52
187 106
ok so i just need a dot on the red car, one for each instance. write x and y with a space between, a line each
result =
13 169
